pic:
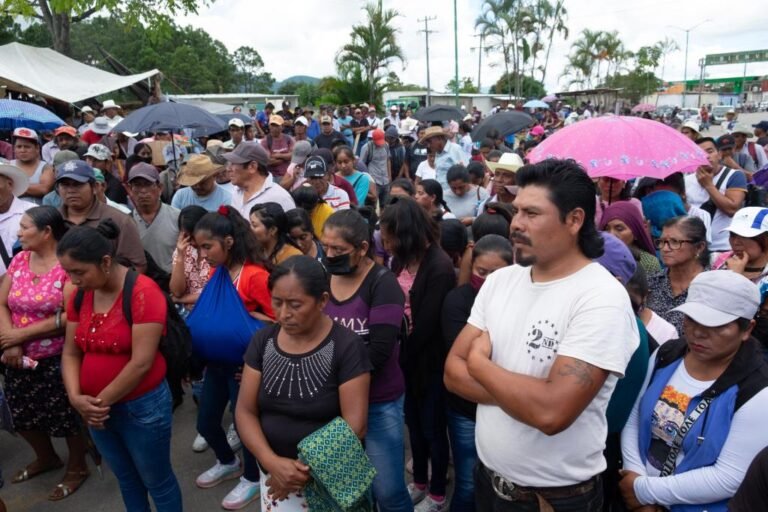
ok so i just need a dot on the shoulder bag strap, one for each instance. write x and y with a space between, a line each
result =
130 282
677 442
4 254
723 177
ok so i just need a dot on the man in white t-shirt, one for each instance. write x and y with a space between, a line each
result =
725 187
542 351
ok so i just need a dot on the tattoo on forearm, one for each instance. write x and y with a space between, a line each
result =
580 370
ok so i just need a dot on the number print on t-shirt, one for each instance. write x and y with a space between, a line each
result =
542 341
668 417
302 376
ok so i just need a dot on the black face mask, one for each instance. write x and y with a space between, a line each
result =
339 265
760 331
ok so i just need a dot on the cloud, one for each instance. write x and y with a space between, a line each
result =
303 36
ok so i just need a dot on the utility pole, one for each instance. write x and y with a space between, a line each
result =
687 35
701 79
479 57
426 31
456 50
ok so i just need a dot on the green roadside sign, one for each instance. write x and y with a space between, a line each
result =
736 57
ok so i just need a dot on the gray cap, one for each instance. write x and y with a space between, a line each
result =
63 156
247 152
719 297
301 151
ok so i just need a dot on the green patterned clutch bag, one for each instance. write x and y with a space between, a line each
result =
341 472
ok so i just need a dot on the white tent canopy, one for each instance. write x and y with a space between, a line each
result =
47 73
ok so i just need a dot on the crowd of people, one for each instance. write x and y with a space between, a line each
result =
564 343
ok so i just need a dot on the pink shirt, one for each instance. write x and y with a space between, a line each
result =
34 298
282 145
405 280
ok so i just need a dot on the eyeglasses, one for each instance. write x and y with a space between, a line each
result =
673 243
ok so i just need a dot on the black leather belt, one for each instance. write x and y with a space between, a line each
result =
510 491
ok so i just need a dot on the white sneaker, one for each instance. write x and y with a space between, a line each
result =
431 505
233 439
218 473
416 494
199 444
244 493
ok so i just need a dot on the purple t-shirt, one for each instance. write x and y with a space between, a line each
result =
375 313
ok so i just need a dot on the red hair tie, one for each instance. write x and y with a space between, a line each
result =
490 210
223 210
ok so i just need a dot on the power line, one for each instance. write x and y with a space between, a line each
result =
426 31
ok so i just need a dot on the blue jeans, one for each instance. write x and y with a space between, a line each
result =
385 446
425 417
219 389
136 443
461 430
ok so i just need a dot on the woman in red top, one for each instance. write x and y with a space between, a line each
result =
225 239
113 370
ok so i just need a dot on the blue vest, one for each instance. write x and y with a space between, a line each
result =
713 426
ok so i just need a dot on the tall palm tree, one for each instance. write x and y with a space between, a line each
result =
491 24
615 52
557 24
373 47
666 46
587 53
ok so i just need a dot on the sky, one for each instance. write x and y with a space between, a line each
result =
302 37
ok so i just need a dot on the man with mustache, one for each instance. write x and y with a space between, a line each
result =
541 353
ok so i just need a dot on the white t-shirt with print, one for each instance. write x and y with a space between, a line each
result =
586 316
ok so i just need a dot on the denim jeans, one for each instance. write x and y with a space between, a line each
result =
219 389
136 443
385 446
461 431
487 500
427 426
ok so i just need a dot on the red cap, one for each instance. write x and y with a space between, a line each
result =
378 137
67 130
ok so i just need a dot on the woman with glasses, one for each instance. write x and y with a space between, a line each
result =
683 247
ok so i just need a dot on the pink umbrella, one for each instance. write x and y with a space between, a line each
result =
643 107
549 98
622 148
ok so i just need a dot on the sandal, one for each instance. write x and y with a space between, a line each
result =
29 472
71 483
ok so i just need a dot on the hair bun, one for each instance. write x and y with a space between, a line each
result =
108 229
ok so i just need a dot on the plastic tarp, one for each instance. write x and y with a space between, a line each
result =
47 73
209 106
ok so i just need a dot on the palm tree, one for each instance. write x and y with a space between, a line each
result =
557 24
496 32
586 53
373 47
666 46
615 52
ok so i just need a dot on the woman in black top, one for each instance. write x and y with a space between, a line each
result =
299 374
426 275
302 233
490 253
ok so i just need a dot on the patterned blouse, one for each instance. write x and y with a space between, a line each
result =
34 298
661 299
197 271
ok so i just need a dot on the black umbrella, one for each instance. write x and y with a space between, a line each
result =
439 113
227 117
505 122
171 117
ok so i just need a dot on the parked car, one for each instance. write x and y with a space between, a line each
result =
717 115
763 106
689 114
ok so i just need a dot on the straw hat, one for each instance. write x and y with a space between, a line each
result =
432 131
17 176
508 162
197 169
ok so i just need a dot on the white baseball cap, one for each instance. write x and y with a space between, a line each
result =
301 120
236 122
692 125
719 297
749 222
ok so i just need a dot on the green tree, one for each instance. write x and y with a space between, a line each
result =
308 94
666 46
10 31
635 84
250 72
466 86
556 17
530 87
373 48
60 16
289 88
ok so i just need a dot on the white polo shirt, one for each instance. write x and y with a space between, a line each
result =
9 226
586 316
270 192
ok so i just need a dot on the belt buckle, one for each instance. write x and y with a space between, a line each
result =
502 487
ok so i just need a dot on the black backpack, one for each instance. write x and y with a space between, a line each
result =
175 344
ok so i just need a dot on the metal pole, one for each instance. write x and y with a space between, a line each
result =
426 31
456 49
479 61
701 80
744 85
685 71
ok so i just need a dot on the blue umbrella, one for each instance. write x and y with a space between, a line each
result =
536 104
172 117
21 114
